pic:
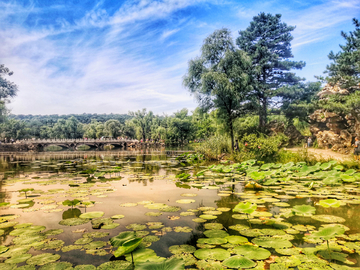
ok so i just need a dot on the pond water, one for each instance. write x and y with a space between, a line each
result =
170 201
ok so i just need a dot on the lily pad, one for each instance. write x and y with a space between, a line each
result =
57 266
330 203
328 218
172 263
270 242
182 249
218 254
74 221
43 258
216 233
19 258
303 210
252 252
238 261
91 215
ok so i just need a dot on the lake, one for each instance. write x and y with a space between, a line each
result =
169 201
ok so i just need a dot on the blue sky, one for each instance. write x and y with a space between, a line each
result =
119 56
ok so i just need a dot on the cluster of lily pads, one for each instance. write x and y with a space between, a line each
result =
283 218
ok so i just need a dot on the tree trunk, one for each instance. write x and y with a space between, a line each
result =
231 134
262 115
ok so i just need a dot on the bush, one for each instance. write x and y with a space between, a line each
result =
265 148
214 147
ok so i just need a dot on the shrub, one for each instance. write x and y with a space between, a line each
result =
213 147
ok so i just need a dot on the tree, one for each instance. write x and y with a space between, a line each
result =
345 69
142 120
7 90
221 78
267 41
297 101
344 72
112 128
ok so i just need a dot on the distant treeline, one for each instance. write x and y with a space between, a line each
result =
84 118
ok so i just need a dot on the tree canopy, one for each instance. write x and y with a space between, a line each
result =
267 42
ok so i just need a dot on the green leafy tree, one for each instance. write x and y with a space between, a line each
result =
345 67
7 90
267 41
112 128
142 120
298 101
221 78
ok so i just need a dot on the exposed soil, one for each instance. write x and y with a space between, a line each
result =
324 154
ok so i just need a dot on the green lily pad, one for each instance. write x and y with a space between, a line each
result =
29 239
95 234
185 201
328 232
144 255
270 242
121 238
218 254
74 221
128 247
57 266
328 218
115 265
213 226
83 241
136 227
236 239
85 267
208 217
99 222
252 252
182 249
117 216
238 261
19 258
27 230
216 233
7 266
330 203
172 263
245 207
91 215
43 258
303 210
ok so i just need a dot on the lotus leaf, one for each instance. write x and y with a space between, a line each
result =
184 229
54 232
169 264
347 178
329 203
185 214
209 265
29 239
115 265
8 224
270 242
216 233
7 266
199 220
74 221
257 175
19 258
208 217
170 209
136 227
128 247
144 255
85 267
50 244
110 226
128 204
341 257
121 238
83 241
328 232
303 210
288 251
188 259
235 239
91 215
95 234
252 252
185 201
182 249
26 267
117 216
328 218
246 207
155 205
15 251
212 254
239 262
57 266
43 258
261 214
70 248
212 241
239 216
99 222
27 230
215 226
251 232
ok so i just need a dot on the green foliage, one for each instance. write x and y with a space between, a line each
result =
260 148
213 147
267 41
221 78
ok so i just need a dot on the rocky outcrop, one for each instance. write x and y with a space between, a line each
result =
295 137
334 131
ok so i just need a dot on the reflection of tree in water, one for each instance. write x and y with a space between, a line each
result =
71 213
226 217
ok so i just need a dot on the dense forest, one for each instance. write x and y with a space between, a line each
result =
244 87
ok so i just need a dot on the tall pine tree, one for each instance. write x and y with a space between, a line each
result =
267 41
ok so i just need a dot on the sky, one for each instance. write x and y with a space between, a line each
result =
71 56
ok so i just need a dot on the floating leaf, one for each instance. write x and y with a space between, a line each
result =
329 203
252 252
303 210
43 258
245 207
91 215
74 221
328 218
269 242
328 232
213 254
170 264
239 262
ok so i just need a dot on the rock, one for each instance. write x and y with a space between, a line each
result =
295 137
275 127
